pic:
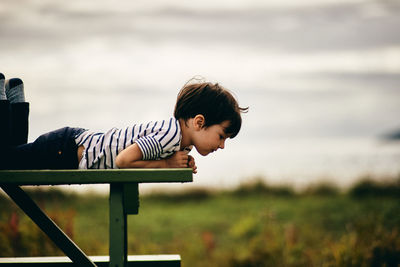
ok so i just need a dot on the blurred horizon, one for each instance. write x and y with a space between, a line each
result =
321 77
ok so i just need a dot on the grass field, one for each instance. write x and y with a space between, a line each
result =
255 225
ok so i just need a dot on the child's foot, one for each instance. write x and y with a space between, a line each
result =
2 89
15 90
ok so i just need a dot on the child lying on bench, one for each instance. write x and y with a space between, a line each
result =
205 115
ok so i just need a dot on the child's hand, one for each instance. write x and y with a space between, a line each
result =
192 164
181 159
178 160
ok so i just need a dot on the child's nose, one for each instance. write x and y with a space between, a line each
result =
222 145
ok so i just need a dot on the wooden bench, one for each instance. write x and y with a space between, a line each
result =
123 200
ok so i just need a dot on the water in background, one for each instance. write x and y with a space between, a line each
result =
321 78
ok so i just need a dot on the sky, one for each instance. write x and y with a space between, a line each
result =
320 77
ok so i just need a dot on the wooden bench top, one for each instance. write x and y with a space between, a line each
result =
58 177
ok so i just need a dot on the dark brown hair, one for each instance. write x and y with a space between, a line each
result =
212 101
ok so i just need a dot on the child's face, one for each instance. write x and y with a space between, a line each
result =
208 140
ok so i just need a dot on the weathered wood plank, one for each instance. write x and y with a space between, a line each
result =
136 261
58 177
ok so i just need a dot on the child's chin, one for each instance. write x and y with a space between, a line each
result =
204 153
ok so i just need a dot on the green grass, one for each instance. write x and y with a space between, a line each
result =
252 226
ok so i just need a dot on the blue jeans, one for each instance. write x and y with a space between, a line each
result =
53 150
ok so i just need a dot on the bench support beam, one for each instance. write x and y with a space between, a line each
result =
118 220
47 225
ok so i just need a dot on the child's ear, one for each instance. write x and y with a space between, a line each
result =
199 121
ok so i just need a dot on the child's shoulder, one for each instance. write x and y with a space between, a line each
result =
153 125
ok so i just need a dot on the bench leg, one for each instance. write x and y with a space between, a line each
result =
47 225
118 226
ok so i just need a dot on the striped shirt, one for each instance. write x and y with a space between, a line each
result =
156 140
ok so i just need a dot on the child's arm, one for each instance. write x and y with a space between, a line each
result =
131 157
